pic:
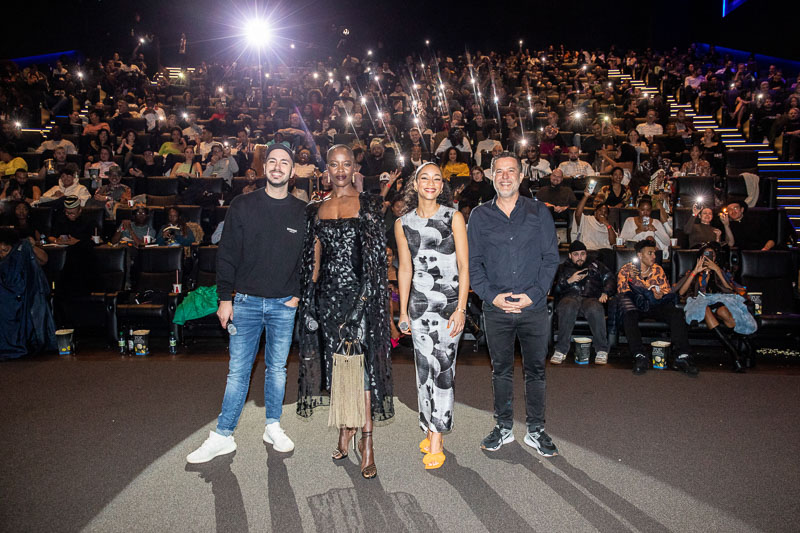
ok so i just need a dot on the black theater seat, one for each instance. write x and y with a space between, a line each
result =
772 273
205 275
690 188
162 186
96 309
156 269
682 261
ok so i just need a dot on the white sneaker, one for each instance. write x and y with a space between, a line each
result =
601 358
274 434
557 358
214 445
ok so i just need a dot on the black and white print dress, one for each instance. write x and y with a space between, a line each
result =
434 297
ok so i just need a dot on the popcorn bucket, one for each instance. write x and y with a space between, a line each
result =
583 348
660 351
141 342
65 341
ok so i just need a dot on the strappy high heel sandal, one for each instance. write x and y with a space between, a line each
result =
339 454
369 471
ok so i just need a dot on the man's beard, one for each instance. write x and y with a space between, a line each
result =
283 180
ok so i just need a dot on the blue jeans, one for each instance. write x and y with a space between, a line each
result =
251 316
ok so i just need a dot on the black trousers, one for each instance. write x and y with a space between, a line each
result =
679 331
532 329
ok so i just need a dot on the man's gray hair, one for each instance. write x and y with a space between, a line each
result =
503 155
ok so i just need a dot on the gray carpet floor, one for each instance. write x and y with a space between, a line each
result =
99 444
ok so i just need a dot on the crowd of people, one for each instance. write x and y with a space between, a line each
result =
472 159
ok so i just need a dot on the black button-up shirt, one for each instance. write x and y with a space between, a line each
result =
517 254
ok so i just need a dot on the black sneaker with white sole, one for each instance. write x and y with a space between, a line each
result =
497 438
539 440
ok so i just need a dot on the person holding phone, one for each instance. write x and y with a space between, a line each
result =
513 258
713 297
258 285
432 248
699 229
582 286
643 291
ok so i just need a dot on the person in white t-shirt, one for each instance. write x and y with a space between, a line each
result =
650 128
643 226
594 230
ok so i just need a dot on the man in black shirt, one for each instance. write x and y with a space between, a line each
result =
151 166
582 287
74 230
590 145
70 227
513 258
743 231
258 259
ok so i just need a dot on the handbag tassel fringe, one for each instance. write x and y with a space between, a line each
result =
347 390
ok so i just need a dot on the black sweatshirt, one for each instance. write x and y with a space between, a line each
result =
262 246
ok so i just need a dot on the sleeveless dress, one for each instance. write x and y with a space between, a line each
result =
353 254
339 280
433 298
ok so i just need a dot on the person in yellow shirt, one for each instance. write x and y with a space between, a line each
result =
8 163
451 166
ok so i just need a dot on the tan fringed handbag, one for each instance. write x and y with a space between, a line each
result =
347 384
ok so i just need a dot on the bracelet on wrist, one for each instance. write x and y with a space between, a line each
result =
462 310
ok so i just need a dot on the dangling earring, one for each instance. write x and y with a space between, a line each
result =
353 179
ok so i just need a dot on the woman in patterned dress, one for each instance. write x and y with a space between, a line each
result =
432 249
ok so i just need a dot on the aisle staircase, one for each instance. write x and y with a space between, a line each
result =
769 164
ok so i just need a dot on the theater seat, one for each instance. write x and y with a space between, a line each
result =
692 187
772 273
156 269
108 280
204 275
682 261
162 186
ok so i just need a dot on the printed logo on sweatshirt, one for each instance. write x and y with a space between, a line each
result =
291 230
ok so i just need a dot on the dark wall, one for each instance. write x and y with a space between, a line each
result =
97 26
